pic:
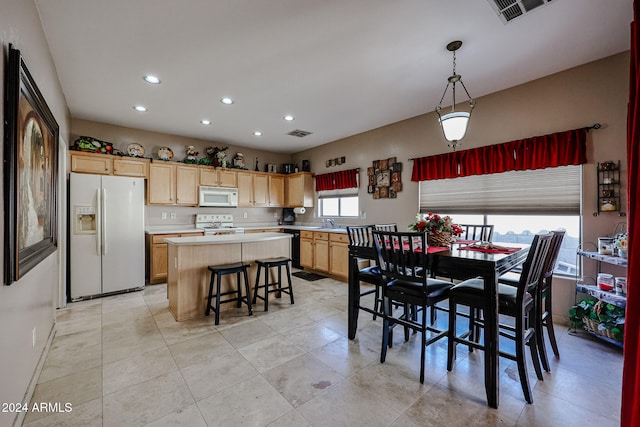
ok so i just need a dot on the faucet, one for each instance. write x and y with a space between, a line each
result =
332 222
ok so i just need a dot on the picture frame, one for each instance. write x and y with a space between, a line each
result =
30 172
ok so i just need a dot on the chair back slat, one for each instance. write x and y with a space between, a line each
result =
386 227
552 255
402 255
533 267
479 232
359 235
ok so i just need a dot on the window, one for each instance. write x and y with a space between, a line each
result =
522 228
339 205
519 204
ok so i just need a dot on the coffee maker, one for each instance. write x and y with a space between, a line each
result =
288 216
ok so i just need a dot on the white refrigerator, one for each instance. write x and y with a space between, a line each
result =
106 248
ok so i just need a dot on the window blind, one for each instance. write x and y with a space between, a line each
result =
543 191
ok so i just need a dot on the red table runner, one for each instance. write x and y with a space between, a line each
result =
490 249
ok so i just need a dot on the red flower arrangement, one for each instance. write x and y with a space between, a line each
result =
435 225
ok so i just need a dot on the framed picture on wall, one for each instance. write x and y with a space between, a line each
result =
30 172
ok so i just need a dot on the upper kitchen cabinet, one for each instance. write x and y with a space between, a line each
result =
299 190
253 189
276 190
172 184
131 167
218 177
105 164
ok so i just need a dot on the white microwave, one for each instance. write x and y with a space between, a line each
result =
218 196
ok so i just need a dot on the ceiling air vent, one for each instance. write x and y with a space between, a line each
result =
509 10
299 133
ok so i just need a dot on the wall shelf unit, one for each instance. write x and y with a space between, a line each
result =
608 187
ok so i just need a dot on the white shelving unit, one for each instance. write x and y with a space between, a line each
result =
595 292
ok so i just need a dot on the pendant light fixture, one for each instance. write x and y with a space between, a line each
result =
454 124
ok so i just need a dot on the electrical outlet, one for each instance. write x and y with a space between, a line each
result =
163 215
364 215
245 215
33 337
173 215
275 214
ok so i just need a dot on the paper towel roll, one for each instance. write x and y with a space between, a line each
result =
299 211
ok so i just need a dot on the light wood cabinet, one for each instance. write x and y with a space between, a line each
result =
276 190
314 250
306 249
187 185
321 254
130 167
172 184
218 177
339 255
161 189
299 190
157 255
91 163
253 189
106 164
326 252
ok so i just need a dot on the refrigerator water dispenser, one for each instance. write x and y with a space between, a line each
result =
85 220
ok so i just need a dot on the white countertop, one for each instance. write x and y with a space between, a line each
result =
171 229
187 228
227 239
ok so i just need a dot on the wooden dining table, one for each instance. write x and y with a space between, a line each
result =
459 264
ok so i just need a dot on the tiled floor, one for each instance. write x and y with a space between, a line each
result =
123 360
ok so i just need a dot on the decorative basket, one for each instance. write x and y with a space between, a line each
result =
440 239
592 326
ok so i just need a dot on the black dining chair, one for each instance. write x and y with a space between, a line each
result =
517 302
386 227
403 262
479 232
544 316
361 236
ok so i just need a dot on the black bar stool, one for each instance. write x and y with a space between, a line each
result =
219 271
267 264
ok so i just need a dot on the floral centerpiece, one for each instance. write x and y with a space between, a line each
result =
441 231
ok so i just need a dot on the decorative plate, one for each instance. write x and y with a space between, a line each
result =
165 153
135 150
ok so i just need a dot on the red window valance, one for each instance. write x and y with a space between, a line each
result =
337 180
557 149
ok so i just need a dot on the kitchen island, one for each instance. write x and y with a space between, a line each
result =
189 257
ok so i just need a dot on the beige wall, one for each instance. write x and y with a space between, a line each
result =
592 93
30 302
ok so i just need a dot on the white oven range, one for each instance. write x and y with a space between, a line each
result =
216 224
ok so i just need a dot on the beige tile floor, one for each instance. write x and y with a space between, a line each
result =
124 361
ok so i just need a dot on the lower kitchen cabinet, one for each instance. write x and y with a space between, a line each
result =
326 252
321 255
339 255
157 267
306 249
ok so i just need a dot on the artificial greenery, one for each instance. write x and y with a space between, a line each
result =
608 316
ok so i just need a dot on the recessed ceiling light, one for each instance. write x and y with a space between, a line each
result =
289 117
227 101
257 133
205 122
151 79
140 108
